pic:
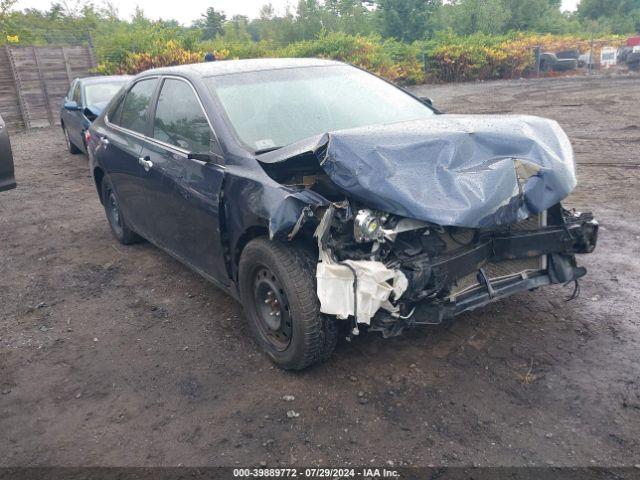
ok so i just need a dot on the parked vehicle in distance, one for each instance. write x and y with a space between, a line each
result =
84 102
7 178
560 62
327 200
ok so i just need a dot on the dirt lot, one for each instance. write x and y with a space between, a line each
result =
114 355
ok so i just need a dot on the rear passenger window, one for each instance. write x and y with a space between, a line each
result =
179 119
135 106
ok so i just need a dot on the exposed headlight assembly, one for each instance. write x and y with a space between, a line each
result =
366 226
370 226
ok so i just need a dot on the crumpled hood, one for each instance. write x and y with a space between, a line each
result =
457 170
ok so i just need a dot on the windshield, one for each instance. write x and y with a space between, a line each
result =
95 93
274 108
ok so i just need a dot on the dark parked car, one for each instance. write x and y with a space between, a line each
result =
327 200
7 179
85 100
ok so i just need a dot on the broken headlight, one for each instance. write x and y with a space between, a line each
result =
367 226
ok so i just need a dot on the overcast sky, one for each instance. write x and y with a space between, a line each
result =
189 10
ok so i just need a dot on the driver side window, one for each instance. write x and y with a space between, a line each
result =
179 119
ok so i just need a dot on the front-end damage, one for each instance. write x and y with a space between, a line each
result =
423 221
394 276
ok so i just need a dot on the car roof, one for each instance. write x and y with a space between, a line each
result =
104 79
227 67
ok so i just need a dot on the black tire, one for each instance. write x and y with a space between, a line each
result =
70 146
633 60
116 219
277 287
547 61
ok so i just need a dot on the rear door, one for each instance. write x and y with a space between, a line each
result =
7 179
120 146
182 195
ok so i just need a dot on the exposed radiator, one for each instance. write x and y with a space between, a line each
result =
506 268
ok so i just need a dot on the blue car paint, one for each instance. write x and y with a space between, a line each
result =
77 122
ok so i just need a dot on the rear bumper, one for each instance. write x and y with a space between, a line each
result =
556 244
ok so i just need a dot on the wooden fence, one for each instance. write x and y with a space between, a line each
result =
34 80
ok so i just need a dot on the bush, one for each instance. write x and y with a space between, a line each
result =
452 58
393 60
447 57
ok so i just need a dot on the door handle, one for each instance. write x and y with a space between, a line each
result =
104 141
146 163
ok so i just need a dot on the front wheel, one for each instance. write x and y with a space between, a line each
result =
278 291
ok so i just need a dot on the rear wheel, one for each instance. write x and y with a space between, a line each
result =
278 291
70 146
117 221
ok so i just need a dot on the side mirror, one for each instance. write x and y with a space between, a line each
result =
427 100
90 114
216 156
71 105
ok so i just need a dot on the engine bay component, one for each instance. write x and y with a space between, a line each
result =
355 288
358 288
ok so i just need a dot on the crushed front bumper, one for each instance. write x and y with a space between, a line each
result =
555 244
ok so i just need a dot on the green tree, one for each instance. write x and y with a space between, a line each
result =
309 19
595 9
211 22
348 16
5 8
465 17
407 20
236 31
617 16
528 15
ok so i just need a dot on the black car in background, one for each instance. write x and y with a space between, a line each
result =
7 179
327 200
85 100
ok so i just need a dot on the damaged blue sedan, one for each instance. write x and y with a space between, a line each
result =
330 202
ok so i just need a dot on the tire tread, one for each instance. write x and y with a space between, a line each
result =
319 331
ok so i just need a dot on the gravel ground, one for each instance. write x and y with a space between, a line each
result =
113 355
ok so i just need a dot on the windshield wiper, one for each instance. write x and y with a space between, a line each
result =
266 150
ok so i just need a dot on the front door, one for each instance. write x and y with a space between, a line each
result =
182 194
73 118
